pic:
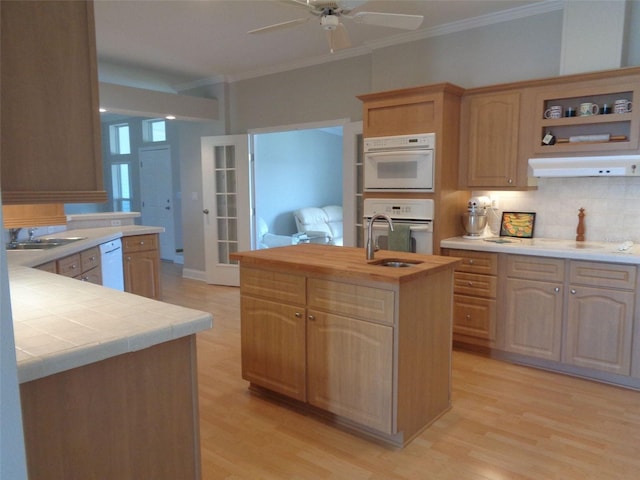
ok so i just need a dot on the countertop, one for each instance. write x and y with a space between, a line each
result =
550 247
347 262
62 323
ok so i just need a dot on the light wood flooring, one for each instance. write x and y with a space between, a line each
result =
507 421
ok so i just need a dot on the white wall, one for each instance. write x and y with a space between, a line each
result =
301 168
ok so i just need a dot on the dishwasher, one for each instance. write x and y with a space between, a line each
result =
111 263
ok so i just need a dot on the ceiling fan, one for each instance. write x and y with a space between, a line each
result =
330 13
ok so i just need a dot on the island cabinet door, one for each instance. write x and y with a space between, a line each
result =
273 346
350 365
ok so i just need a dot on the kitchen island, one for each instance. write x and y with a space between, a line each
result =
108 380
363 345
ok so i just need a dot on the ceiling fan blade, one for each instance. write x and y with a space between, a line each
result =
394 20
280 26
338 38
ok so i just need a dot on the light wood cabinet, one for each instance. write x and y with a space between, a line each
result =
600 316
583 318
350 358
623 128
534 297
50 126
492 153
474 300
141 257
373 357
273 331
424 109
83 266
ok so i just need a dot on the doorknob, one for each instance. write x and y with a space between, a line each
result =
205 211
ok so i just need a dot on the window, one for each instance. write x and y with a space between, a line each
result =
154 130
119 139
120 187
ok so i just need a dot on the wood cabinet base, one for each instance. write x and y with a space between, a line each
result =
397 440
130 416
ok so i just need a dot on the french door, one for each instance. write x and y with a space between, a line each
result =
226 205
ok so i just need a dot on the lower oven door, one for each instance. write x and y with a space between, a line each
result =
421 234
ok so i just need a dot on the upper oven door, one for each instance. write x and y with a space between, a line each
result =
399 170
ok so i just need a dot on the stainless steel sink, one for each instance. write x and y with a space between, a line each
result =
42 243
395 263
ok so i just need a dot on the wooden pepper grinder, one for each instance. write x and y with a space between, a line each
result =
580 229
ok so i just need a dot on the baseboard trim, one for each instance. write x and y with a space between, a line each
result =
194 274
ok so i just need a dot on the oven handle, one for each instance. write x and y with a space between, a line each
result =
388 156
412 227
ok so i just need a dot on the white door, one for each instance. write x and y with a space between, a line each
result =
156 190
226 205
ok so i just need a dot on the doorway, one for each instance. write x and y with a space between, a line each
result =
288 186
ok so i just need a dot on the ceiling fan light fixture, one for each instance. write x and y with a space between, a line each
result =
329 22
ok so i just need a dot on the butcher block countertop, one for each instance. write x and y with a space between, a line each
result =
62 323
346 262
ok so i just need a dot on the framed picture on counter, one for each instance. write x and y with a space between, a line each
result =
517 224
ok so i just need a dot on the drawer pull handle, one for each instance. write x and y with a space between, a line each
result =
311 317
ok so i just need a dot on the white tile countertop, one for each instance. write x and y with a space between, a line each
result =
550 247
62 323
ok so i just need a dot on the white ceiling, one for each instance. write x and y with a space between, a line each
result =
201 41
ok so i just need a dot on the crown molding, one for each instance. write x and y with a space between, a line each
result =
367 48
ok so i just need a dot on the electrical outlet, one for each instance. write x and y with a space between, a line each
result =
116 223
495 203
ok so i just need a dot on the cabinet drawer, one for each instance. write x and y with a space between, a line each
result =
69 266
603 274
139 243
473 284
367 303
475 317
535 268
271 285
476 262
90 258
92 276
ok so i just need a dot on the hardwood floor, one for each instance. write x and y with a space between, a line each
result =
507 421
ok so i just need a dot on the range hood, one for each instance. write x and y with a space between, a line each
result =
595 166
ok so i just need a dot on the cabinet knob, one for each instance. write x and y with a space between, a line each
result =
573 292
205 211
557 289
74 266
128 259
471 262
93 258
470 284
141 242
298 315
311 317
510 181
467 316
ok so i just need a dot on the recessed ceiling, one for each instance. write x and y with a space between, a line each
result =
191 41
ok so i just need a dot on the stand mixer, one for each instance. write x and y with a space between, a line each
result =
474 220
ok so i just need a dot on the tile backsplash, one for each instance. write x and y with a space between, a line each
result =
611 204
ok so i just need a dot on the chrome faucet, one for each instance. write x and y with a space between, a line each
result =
13 235
32 232
371 248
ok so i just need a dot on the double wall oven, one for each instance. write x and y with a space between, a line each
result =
400 164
